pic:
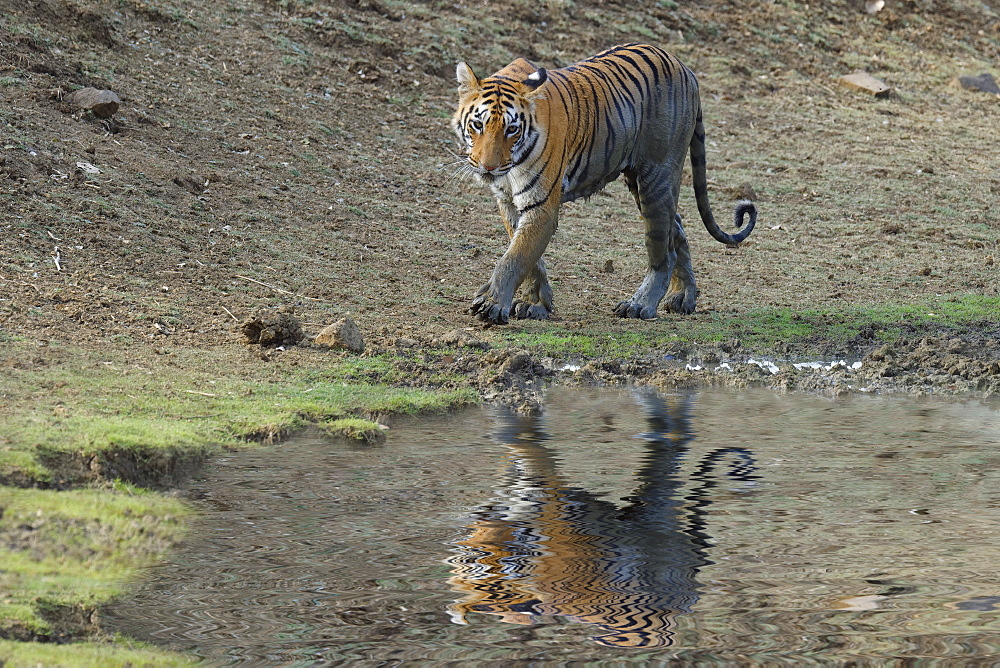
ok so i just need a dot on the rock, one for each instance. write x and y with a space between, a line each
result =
874 6
87 168
866 83
273 328
744 191
102 103
342 334
984 83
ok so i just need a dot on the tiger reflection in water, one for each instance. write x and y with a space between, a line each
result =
544 548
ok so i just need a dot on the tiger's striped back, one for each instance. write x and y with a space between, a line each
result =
632 104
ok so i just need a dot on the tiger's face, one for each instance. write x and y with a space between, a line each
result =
489 136
494 122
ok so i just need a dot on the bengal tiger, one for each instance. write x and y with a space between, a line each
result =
540 137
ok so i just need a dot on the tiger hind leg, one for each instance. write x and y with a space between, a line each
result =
682 293
655 189
535 299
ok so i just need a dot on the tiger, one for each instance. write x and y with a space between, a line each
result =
540 137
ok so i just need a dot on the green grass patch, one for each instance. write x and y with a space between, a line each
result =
76 548
182 407
583 343
759 330
354 429
122 655
763 329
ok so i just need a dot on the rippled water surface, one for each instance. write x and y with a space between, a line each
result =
619 526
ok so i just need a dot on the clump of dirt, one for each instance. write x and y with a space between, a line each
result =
267 327
70 622
512 377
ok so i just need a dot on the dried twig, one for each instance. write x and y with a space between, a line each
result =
266 285
56 258
230 313
277 289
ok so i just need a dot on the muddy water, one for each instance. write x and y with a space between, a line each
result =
620 526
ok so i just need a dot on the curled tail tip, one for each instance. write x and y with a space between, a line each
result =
744 208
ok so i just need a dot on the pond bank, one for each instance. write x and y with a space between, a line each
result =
127 426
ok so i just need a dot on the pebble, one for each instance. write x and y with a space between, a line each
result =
102 103
984 83
866 83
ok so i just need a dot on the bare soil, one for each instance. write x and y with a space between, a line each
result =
296 154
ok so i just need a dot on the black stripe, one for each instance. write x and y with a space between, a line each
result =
652 67
646 84
626 73
621 99
653 192
531 184
533 205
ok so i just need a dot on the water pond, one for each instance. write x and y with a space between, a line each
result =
619 527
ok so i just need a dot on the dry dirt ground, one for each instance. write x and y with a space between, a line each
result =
297 153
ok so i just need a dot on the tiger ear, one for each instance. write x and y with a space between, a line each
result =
535 80
467 79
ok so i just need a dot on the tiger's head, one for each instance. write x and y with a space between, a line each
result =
495 122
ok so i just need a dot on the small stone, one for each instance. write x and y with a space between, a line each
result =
984 83
102 103
87 168
866 83
343 334
745 191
